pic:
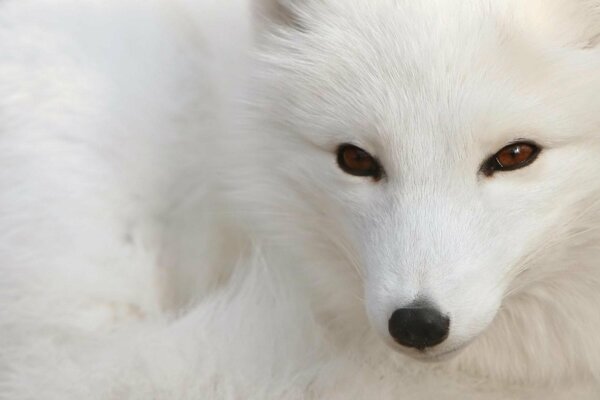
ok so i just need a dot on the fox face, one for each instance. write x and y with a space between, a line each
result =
444 149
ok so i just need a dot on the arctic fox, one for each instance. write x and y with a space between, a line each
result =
299 199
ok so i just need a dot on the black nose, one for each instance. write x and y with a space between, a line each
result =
419 326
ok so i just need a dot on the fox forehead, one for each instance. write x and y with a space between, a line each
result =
434 71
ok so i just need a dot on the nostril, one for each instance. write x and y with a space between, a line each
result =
419 327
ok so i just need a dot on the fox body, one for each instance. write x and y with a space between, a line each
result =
274 199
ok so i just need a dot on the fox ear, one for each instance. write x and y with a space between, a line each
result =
572 23
279 12
586 23
593 26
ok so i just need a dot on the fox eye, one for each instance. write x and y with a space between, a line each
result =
509 158
356 161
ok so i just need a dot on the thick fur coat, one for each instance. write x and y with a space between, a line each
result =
174 225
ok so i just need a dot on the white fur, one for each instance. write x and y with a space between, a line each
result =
173 224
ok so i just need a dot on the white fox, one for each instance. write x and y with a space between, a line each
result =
299 199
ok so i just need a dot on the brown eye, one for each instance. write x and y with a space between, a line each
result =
355 161
512 157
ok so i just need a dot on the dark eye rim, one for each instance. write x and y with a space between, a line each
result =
492 165
377 172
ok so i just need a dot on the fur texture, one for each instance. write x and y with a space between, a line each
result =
173 224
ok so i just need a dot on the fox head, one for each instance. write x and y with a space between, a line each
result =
442 151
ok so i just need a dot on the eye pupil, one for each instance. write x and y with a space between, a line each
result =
356 161
357 158
512 157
